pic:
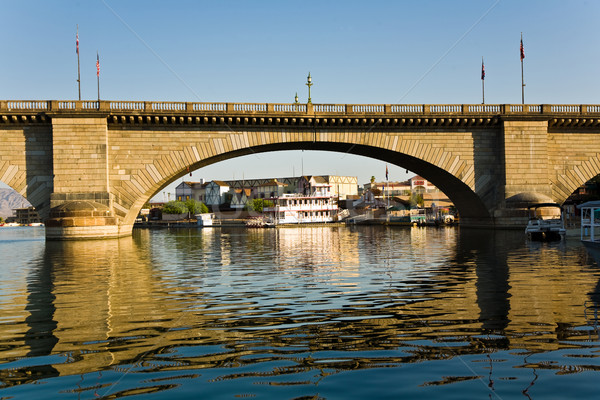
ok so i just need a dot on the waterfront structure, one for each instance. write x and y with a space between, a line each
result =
190 190
416 184
341 186
272 188
26 216
215 194
240 197
89 166
318 206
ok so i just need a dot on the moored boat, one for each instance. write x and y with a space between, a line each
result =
545 222
590 223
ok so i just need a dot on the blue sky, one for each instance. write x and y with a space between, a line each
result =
261 51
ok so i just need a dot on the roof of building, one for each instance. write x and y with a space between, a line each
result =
273 182
220 183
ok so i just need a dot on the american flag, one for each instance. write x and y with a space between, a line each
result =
482 70
77 36
522 50
97 65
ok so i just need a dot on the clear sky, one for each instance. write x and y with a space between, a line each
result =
261 51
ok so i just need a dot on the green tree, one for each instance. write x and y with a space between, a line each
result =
258 204
175 207
416 199
196 207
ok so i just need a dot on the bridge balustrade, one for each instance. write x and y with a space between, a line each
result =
484 108
289 107
330 108
127 106
280 108
446 108
25 105
251 107
209 106
163 106
407 108
367 108
566 108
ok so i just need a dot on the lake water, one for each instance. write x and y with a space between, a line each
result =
324 312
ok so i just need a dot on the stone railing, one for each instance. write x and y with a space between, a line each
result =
151 107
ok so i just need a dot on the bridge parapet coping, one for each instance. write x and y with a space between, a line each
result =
195 108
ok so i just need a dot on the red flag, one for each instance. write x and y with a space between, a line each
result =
482 70
386 172
97 65
522 50
77 42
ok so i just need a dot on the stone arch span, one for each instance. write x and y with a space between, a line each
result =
447 161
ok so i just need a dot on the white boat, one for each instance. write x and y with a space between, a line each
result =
590 222
206 219
295 208
545 222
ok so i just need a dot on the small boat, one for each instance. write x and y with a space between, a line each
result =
546 222
206 219
590 222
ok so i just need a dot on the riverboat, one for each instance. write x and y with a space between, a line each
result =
590 222
294 208
546 222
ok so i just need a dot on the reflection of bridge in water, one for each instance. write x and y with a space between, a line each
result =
108 304
88 167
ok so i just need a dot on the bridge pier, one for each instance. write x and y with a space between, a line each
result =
82 216
80 161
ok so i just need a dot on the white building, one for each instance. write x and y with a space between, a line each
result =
313 204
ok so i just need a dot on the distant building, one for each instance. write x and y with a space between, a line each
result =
215 193
236 193
26 216
416 184
189 190
272 188
240 197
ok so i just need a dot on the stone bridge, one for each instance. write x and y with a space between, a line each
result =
89 166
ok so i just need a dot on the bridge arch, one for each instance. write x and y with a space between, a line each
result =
574 176
450 168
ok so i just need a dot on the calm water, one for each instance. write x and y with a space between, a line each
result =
290 313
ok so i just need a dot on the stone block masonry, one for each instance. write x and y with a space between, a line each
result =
96 163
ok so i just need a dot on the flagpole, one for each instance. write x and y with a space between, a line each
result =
522 80
482 82
78 65
98 75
